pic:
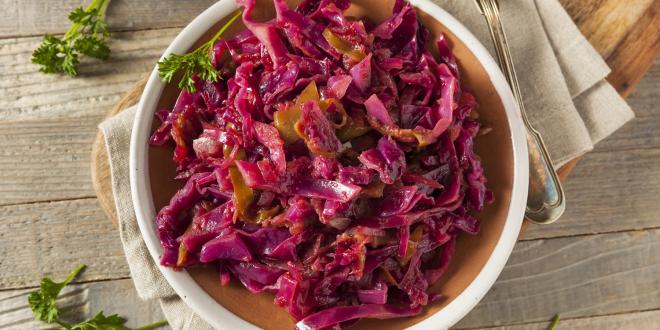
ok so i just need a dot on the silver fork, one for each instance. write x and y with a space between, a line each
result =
545 201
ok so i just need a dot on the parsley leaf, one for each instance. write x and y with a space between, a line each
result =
80 15
93 46
44 308
43 303
102 322
54 55
197 62
87 36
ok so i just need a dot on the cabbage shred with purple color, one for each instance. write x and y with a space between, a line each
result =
332 164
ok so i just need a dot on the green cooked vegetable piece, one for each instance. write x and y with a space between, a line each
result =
87 36
42 302
196 62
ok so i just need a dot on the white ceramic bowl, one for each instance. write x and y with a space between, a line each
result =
220 317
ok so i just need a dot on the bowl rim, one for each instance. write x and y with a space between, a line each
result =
216 314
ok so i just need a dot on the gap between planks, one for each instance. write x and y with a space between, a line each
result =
27 17
64 144
536 238
621 270
27 94
81 301
641 319
75 282
573 276
137 51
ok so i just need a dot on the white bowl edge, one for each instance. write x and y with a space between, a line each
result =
221 318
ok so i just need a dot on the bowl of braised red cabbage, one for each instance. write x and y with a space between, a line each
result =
354 164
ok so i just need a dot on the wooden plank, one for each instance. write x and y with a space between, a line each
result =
26 93
637 320
576 276
37 110
62 146
601 191
33 17
644 100
621 271
37 17
42 160
50 239
56 126
639 133
79 302
609 191
53 118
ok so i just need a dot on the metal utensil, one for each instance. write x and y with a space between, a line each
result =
545 201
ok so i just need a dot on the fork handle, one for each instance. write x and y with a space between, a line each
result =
545 200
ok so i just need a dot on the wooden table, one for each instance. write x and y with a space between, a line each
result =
598 266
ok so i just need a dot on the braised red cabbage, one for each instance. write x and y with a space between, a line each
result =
332 164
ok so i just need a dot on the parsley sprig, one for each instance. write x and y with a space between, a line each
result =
44 308
196 62
87 36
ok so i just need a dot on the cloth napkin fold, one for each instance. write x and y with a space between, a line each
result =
563 84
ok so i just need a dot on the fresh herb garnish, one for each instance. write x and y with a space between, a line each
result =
555 321
44 308
196 62
43 301
87 36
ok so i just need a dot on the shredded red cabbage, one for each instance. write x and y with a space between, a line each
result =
332 164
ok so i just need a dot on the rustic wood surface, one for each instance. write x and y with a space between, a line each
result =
80 301
100 167
598 266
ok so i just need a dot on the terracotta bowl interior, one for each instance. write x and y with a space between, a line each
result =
472 252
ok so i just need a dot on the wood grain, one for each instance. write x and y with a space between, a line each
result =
625 33
50 239
644 100
640 133
615 187
43 160
636 52
53 119
583 276
634 320
79 302
606 22
616 165
26 93
609 191
31 95
575 276
603 182
37 17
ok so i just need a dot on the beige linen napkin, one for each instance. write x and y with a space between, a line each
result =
562 81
